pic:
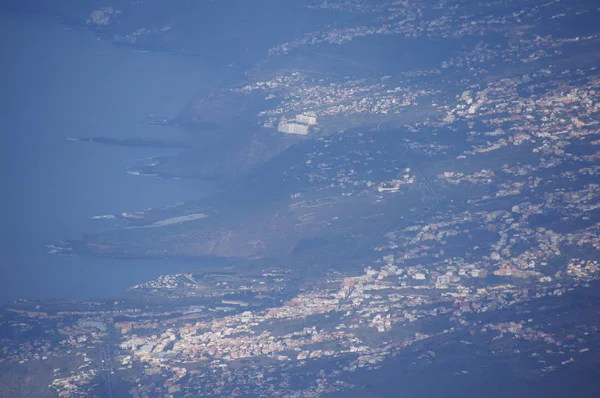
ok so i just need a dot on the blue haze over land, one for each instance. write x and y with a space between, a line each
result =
58 83
434 234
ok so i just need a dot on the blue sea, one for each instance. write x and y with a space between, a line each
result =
59 82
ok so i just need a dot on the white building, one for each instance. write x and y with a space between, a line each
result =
309 118
292 128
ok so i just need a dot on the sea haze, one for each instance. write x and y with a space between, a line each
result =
58 83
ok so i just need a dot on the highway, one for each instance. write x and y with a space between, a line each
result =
107 369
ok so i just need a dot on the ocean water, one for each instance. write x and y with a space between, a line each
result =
56 83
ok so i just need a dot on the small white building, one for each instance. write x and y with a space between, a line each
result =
309 118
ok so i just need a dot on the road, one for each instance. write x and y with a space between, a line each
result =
381 126
107 369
